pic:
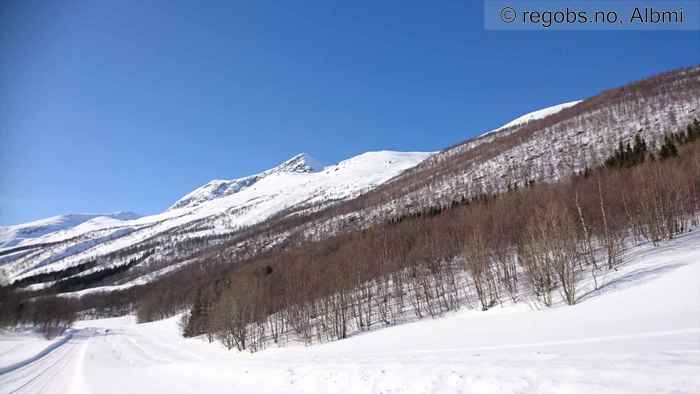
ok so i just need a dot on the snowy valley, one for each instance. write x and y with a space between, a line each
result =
272 197
638 333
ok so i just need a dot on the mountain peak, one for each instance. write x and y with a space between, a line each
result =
301 163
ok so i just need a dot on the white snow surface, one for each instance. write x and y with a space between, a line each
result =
226 206
18 234
539 114
301 163
639 333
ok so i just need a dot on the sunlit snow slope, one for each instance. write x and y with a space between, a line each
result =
539 114
28 232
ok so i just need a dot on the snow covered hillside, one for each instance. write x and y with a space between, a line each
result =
301 164
24 233
218 208
638 333
539 114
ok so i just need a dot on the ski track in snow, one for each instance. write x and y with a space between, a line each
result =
640 333
57 371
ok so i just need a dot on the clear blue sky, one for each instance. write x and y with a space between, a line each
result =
125 105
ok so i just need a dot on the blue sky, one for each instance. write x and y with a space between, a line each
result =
109 106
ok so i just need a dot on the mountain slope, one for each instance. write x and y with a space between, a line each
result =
301 164
542 150
576 137
535 115
21 233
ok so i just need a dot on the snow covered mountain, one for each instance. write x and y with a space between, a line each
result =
230 220
218 209
301 163
18 234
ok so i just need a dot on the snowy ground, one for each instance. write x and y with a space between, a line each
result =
639 334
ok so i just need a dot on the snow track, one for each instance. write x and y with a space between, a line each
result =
54 370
